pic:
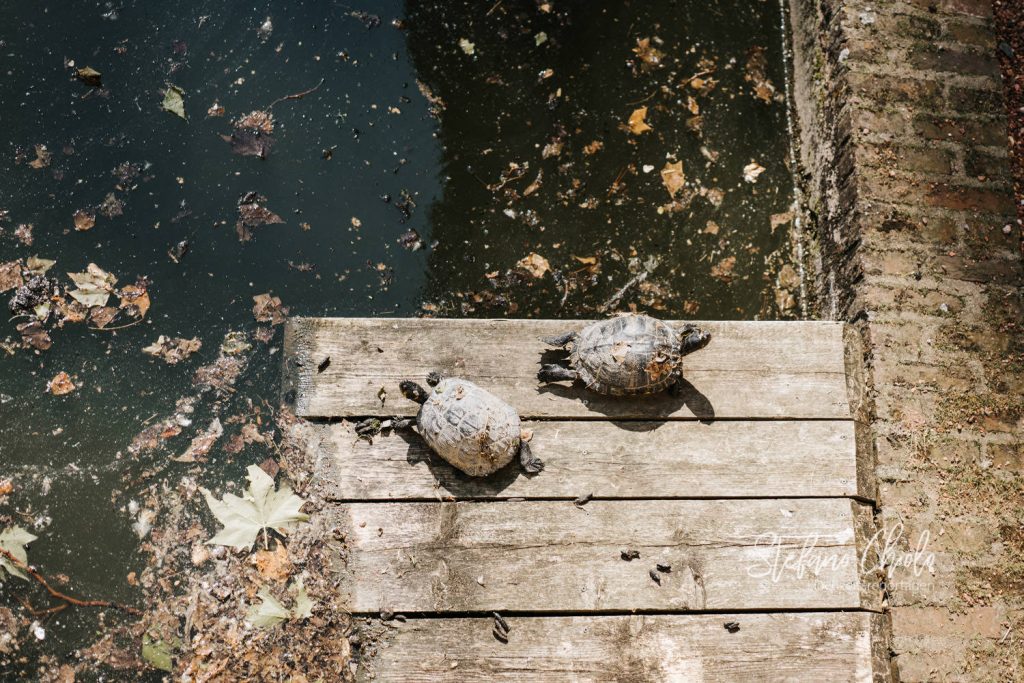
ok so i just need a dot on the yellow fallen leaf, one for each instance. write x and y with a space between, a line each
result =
534 264
673 178
637 124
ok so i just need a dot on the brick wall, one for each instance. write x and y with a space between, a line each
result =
903 150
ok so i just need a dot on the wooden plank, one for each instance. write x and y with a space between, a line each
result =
810 646
749 370
609 460
556 557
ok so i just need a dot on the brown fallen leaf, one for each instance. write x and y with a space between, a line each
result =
273 565
637 123
711 228
252 134
723 269
10 275
34 335
673 178
135 298
201 444
111 206
252 212
89 76
780 219
650 56
751 171
534 265
60 385
101 316
593 148
42 159
268 309
84 220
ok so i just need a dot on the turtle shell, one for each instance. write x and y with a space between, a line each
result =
471 428
627 355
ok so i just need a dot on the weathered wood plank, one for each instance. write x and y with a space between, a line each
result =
556 557
652 648
610 460
750 369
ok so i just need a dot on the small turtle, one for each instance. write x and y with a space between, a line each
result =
625 355
471 428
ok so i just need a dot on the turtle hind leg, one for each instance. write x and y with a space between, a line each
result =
560 340
530 463
553 372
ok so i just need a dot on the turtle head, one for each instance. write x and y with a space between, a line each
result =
413 391
694 339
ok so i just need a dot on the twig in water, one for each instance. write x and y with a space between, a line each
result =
296 96
633 281
62 596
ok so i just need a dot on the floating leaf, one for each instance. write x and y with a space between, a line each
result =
14 540
60 385
38 266
174 101
173 350
467 47
158 653
252 212
42 159
253 134
637 123
94 286
534 264
673 178
651 56
10 275
84 220
723 269
89 76
261 508
751 171
268 309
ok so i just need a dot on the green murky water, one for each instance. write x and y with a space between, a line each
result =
468 159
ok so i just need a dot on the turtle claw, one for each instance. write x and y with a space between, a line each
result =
529 462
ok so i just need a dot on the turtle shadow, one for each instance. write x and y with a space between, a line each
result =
452 480
656 407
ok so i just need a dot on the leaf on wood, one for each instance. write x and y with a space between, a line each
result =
637 123
60 385
94 286
261 508
673 179
201 444
650 56
14 540
252 212
751 171
173 350
84 220
253 134
101 316
268 309
42 159
38 266
89 76
723 269
174 101
10 275
534 265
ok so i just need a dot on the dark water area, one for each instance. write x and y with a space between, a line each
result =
450 159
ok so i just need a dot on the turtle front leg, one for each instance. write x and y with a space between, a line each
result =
561 340
553 372
530 463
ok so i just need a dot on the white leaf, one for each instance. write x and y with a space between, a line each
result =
14 540
303 605
262 507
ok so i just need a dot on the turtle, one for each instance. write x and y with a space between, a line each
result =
626 355
469 427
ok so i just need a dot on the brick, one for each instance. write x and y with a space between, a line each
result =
955 61
990 132
973 8
969 198
963 100
885 123
888 90
988 165
908 158
1003 271
973 34
907 26
1007 456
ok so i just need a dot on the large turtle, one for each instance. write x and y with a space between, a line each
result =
625 355
470 427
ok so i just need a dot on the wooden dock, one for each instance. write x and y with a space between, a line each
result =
752 490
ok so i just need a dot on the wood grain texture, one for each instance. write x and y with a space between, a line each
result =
555 557
835 647
749 370
609 460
